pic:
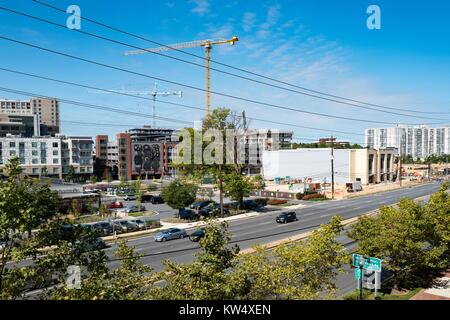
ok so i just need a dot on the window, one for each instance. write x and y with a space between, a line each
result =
55 152
34 144
82 169
34 161
12 144
12 152
55 161
55 144
55 170
35 171
34 153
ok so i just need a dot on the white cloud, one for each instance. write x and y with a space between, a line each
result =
248 21
201 7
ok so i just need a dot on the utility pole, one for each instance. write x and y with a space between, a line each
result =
399 169
446 168
332 168
429 171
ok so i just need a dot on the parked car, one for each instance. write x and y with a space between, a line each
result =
127 226
129 197
117 227
156 200
140 223
104 227
200 204
170 234
147 198
286 217
252 205
115 205
206 211
188 214
134 208
197 235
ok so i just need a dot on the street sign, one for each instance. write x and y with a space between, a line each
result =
357 273
370 264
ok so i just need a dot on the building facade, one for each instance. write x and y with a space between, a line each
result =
49 156
418 142
350 165
45 113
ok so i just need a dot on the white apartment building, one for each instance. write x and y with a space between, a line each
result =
49 156
418 142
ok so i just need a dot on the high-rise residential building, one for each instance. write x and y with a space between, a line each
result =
419 142
45 113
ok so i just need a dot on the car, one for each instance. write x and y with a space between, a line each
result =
200 204
206 211
197 235
134 208
115 205
146 198
170 234
129 197
188 214
156 200
286 217
252 204
87 245
127 226
140 223
104 227
117 227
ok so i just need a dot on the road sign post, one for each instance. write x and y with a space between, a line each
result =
373 268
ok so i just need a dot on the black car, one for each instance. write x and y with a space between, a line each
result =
104 227
252 205
156 200
188 214
206 211
200 204
286 217
147 198
197 235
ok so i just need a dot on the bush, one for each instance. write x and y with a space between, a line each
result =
354 295
315 196
262 201
275 202
299 196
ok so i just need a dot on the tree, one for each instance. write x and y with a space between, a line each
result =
303 270
93 179
179 194
124 184
207 278
136 187
412 239
70 176
128 282
237 187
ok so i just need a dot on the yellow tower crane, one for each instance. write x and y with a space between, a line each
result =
207 44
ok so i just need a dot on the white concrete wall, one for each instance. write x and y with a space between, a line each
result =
307 163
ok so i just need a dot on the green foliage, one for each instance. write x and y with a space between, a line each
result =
179 194
237 187
302 270
262 201
70 176
412 239
128 282
152 187
316 145
93 179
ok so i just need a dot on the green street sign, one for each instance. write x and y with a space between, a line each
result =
370 264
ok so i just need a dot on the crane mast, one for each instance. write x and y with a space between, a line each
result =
208 45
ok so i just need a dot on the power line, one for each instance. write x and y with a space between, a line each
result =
189 62
170 103
200 89
238 69
93 106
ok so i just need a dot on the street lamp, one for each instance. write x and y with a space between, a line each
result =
361 274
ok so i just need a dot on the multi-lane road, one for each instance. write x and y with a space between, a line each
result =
263 228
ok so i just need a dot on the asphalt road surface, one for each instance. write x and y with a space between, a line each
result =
263 229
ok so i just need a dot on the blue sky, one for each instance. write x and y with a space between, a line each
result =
322 45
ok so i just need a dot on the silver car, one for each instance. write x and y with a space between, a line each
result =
170 234
140 223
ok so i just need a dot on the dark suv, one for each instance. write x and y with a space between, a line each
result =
200 204
286 217
206 211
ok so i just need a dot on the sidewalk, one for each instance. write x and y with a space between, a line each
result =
440 291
